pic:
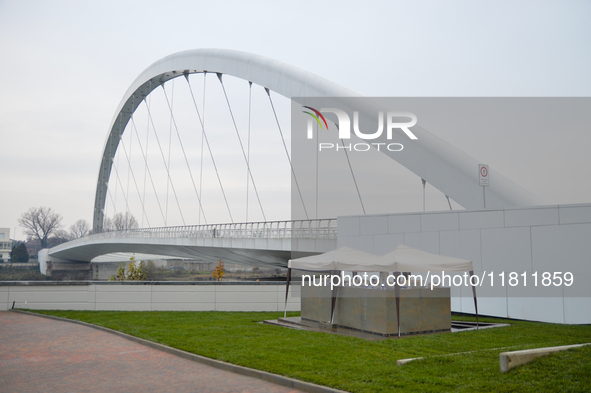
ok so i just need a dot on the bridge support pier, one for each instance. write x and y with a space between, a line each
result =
63 269
76 271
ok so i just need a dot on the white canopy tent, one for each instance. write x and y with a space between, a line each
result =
344 258
400 259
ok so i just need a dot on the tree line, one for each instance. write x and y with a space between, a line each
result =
45 225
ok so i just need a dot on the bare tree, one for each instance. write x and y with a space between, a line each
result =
60 236
80 228
40 223
120 222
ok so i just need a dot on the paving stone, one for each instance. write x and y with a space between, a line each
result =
44 355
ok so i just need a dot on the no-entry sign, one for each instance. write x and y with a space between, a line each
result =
483 173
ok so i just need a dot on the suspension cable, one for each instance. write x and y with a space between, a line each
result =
121 184
354 179
106 207
129 168
147 170
132 174
204 137
317 168
113 203
248 145
146 161
287 153
117 163
111 162
164 160
130 149
169 144
241 146
184 154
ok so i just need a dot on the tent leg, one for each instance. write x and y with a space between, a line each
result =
397 293
333 304
475 301
286 291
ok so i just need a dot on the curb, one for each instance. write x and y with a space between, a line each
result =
249 372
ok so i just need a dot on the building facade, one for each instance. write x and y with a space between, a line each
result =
5 245
529 242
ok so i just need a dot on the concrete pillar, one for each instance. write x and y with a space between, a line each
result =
69 271
63 269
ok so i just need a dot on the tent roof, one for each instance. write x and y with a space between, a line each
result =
344 258
408 259
401 259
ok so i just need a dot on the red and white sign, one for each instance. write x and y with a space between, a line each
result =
483 173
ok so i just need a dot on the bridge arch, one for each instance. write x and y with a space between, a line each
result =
447 168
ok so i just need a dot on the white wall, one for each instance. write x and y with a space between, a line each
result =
149 297
530 239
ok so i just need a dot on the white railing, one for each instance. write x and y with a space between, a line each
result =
296 229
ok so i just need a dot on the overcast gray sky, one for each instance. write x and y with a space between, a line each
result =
66 65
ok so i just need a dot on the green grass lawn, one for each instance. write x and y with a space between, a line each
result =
359 365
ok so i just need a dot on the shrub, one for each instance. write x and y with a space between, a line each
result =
134 273
218 272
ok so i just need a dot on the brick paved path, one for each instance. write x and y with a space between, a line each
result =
43 355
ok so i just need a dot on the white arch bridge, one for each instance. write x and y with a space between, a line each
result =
438 163
256 243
